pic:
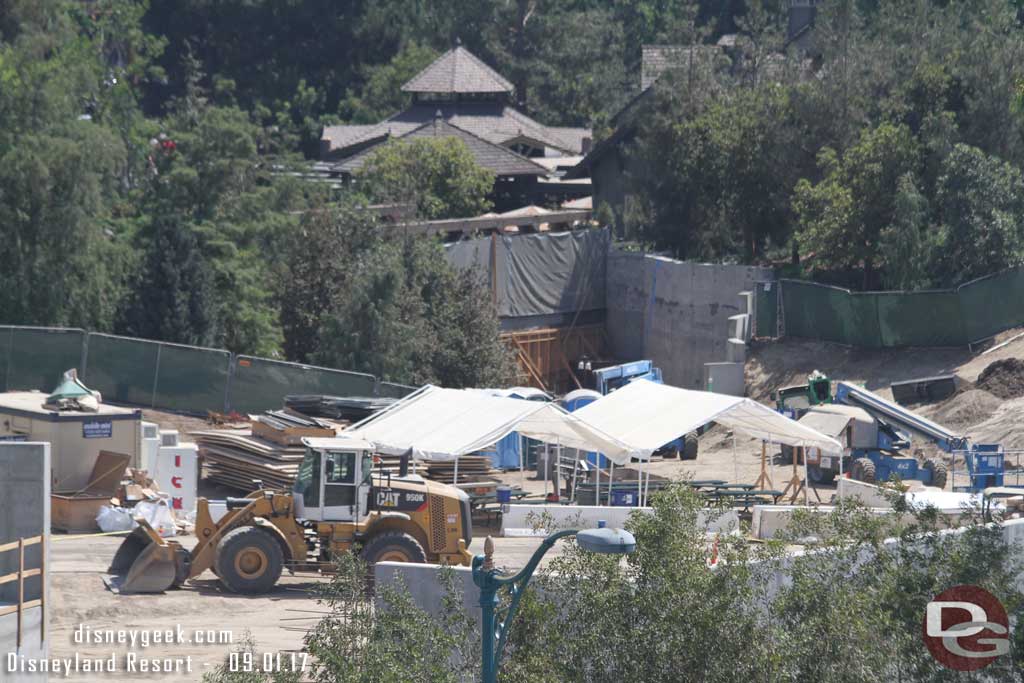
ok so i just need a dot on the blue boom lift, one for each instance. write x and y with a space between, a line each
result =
890 454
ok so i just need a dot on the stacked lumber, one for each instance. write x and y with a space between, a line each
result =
234 457
286 428
472 468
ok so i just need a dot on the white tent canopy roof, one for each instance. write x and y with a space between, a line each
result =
442 424
645 416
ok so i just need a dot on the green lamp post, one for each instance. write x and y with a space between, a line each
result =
495 627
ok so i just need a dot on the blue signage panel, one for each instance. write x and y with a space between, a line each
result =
97 429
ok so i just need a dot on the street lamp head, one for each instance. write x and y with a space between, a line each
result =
606 541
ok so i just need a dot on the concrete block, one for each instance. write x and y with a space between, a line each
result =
736 351
868 494
724 378
739 326
747 302
25 489
587 516
424 585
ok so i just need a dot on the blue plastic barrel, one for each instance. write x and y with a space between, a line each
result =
504 494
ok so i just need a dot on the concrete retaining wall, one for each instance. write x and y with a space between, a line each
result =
587 516
424 585
675 313
25 512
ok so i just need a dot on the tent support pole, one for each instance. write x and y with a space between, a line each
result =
611 478
455 472
735 461
795 483
522 463
764 480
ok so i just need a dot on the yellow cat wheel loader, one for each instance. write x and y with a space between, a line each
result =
338 501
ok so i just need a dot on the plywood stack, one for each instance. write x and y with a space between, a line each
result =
235 458
471 468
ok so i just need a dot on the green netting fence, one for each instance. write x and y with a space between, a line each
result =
259 383
968 314
36 357
157 374
766 309
176 377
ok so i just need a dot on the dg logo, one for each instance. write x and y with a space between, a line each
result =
966 628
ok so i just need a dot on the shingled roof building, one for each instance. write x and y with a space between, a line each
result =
459 96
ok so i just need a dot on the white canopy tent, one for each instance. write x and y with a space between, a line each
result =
645 416
441 424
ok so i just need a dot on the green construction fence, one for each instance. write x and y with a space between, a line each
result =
36 357
261 384
968 314
157 374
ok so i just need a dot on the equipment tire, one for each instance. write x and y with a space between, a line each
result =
249 560
393 546
864 470
819 476
940 472
690 446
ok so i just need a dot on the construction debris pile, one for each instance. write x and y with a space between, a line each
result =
1003 378
269 451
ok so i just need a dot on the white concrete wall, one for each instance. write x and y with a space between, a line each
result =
24 512
522 517
675 313
424 585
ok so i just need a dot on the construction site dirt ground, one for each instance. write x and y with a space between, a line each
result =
277 621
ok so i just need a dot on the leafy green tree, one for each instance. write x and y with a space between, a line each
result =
981 207
407 316
842 217
381 94
318 268
62 155
908 244
174 302
439 176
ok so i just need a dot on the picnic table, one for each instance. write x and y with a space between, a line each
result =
745 496
704 483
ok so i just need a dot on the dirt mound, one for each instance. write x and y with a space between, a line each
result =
965 409
1003 378
1005 426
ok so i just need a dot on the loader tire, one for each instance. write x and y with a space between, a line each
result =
249 560
393 546
864 470
939 472
690 445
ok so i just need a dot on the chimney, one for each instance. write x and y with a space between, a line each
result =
801 19
586 145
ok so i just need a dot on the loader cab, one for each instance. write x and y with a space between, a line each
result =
333 482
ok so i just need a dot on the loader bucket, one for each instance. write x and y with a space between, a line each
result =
146 563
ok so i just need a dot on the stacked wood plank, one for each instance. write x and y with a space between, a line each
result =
471 468
234 457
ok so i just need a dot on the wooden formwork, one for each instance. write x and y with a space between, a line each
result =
545 356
